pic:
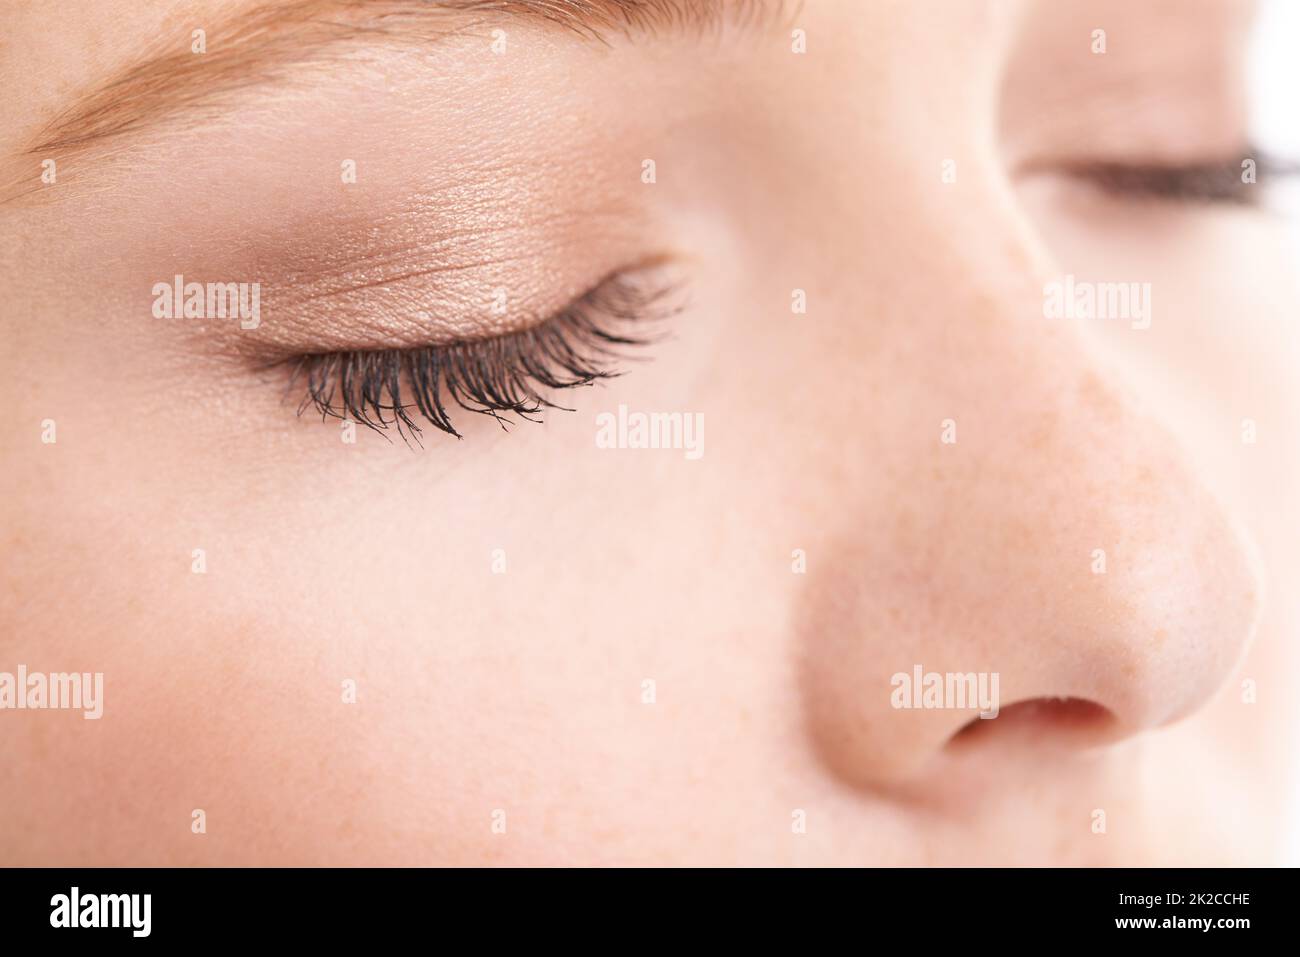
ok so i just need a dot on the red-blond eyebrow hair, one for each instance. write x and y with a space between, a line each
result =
252 46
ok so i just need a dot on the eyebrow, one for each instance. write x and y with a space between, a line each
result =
254 46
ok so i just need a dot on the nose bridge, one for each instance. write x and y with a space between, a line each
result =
1037 523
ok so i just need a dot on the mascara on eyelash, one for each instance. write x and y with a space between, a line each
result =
500 376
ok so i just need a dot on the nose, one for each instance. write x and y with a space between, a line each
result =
1025 531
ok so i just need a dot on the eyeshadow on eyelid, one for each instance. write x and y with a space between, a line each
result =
408 283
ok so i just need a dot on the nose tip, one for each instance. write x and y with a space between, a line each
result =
1161 630
1099 581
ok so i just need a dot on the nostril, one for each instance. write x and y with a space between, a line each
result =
1049 722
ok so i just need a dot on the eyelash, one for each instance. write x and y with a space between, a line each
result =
1209 182
500 376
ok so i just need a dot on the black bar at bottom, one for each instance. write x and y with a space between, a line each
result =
338 906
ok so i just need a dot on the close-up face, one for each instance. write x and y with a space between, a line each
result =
643 432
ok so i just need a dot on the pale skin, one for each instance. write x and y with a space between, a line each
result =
500 602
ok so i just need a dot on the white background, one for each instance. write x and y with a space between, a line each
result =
1275 78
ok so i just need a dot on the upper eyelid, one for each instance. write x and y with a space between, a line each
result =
623 278
409 307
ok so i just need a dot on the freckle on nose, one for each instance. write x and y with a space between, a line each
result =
1094 395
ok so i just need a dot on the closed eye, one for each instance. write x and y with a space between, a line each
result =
501 376
1239 180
